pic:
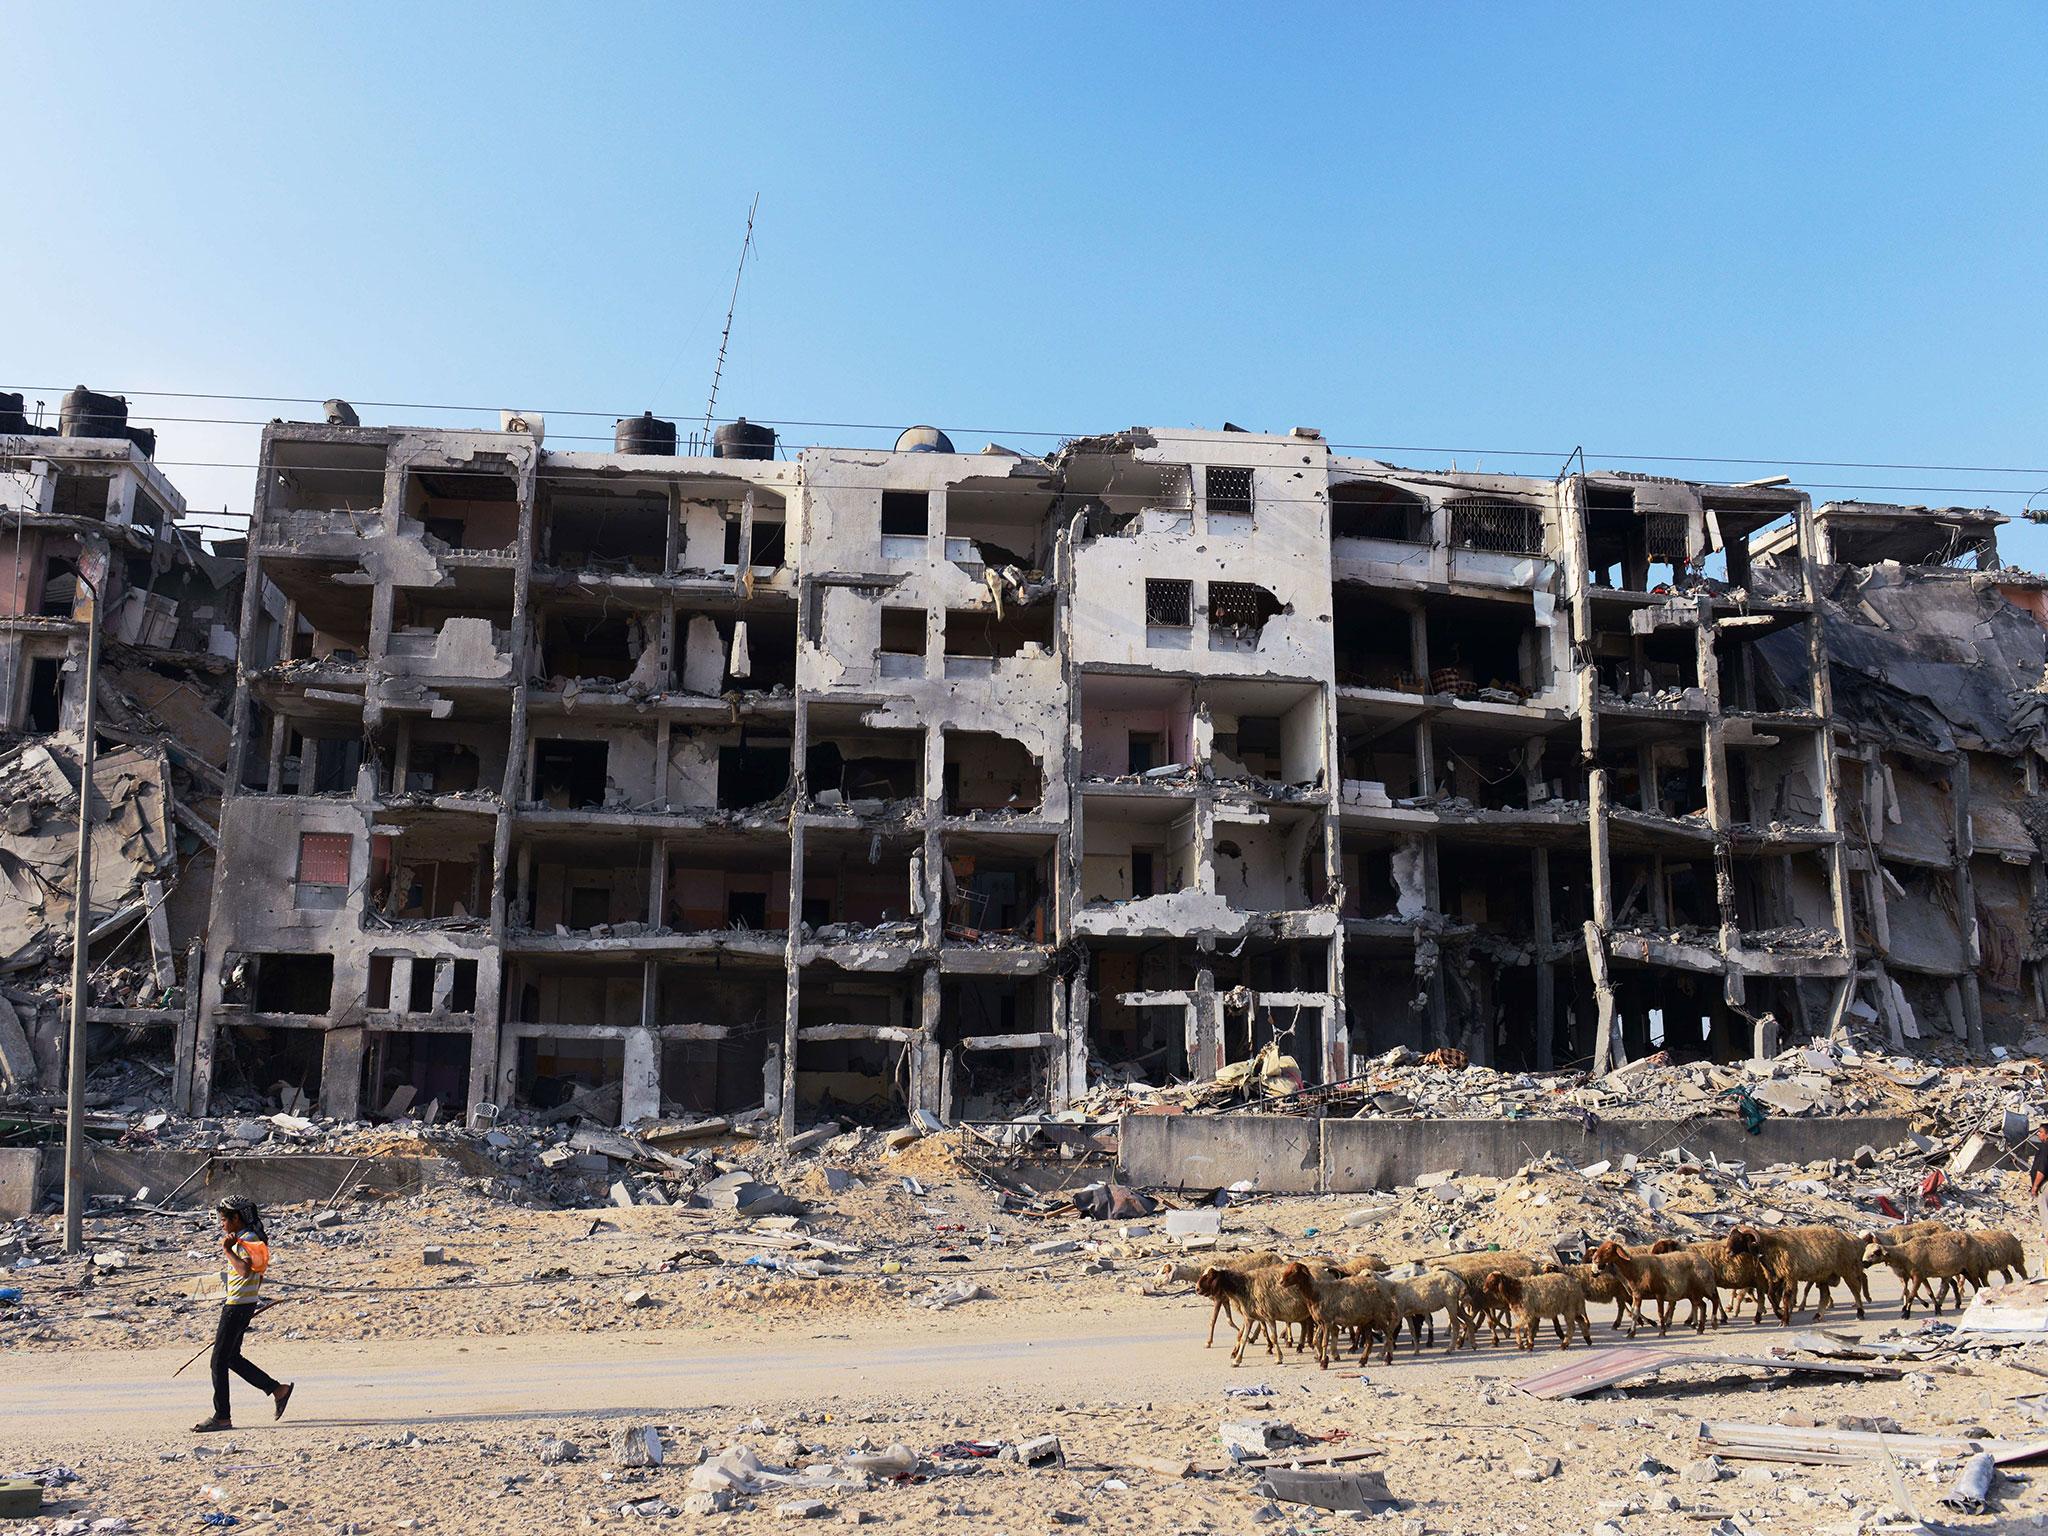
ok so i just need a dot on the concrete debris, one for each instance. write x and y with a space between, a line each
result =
636 1446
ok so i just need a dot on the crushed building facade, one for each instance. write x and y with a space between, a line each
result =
633 783
90 535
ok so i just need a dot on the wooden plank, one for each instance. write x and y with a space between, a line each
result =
1311 1458
1835 1447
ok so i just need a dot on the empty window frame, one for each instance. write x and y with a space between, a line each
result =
323 870
906 513
1229 489
1496 526
1169 604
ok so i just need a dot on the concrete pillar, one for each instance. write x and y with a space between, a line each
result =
1545 1043
1205 1027
1079 1018
341 1073
1764 1041
926 1088
640 1079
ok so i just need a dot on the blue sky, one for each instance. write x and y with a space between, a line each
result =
1769 233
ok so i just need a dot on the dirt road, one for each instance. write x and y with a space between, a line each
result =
1146 1351
444 1432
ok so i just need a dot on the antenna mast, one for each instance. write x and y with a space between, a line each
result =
718 368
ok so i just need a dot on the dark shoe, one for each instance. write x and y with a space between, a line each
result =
281 1397
211 1426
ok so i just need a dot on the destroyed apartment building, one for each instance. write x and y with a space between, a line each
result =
635 783
90 536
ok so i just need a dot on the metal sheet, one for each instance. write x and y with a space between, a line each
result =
1611 1367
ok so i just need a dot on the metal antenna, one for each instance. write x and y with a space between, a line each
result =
718 368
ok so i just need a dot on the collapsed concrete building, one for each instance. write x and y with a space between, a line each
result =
638 783
90 535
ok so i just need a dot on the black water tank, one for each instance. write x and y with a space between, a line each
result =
143 438
742 439
645 433
11 417
85 414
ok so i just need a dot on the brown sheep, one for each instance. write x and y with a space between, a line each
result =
1534 1298
1667 1279
1600 1285
1473 1268
1257 1297
1739 1274
1943 1257
1418 1300
2000 1250
1800 1256
1361 1264
1336 1302
1171 1273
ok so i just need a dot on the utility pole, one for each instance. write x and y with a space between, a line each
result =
81 925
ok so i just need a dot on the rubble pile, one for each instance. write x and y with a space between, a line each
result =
1405 1084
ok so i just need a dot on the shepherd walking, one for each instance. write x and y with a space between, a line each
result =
245 1250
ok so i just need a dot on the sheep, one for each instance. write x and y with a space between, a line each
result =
1997 1249
1257 1297
1799 1256
1600 1285
1946 1257
1361 1264
1557 1297
1419 1299
1359 1302
1739 1274
1179 1274
1472 1269
1667 1279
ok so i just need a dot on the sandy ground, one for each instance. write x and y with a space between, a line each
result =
444 1432
426 1391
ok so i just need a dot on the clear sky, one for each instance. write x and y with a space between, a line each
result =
1769 233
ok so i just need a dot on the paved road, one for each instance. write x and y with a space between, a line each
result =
1150 1351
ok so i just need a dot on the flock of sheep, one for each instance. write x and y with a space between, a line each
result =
1324 1300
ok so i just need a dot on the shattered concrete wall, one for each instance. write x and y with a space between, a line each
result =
853 702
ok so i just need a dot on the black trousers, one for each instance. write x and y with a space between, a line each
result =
228 1356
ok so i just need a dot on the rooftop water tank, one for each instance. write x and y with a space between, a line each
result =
85 414
645 433
340 413
923 440
743 439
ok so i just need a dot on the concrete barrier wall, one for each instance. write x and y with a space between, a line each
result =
1283 1153
17 1182
266 1179
1289 1154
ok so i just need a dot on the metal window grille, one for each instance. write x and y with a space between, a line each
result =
1239 605
1170 603
1230 490
1500 527
1665 534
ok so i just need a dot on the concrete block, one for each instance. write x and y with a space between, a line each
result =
1278 1153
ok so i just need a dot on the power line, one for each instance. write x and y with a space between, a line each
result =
1157 434
571 474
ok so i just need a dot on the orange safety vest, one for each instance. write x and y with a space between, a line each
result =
241 1289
